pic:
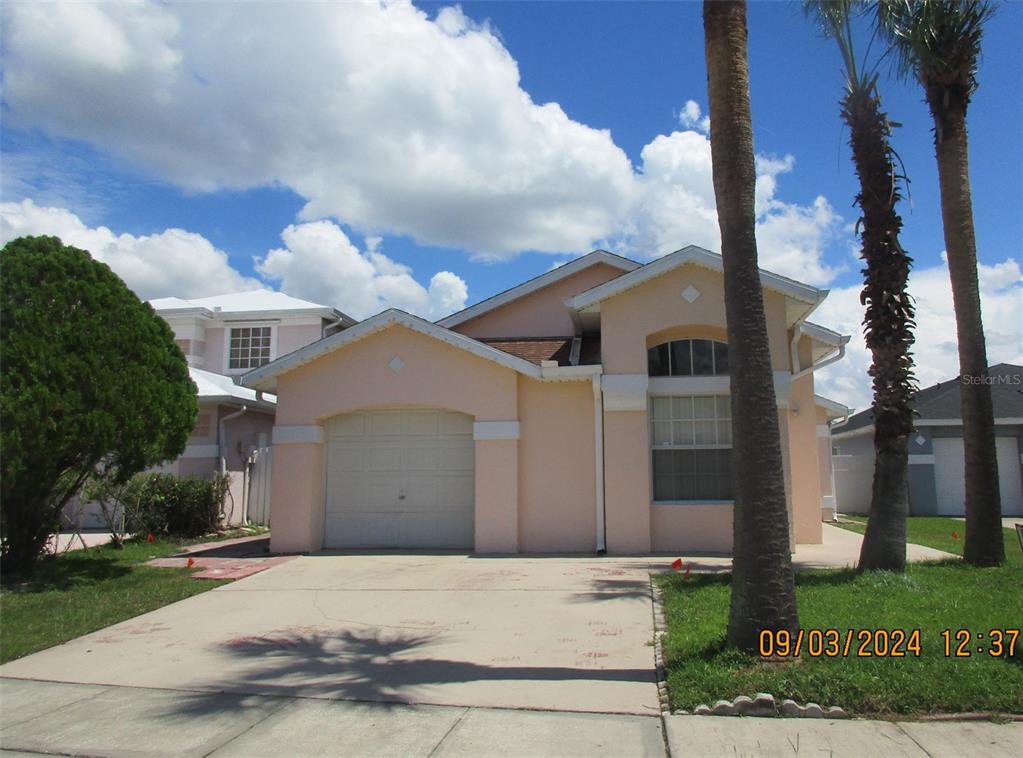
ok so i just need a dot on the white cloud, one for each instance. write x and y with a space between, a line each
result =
318 263
935 351
374 113
171 263
690 117
676 207
388 120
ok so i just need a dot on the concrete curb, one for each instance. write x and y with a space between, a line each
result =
660 630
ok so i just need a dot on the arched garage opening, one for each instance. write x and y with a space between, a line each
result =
400 478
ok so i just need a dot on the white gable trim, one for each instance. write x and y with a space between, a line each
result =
538 283
690 254
262 377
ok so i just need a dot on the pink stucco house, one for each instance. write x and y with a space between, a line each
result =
584 410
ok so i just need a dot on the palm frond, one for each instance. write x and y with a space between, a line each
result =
937 41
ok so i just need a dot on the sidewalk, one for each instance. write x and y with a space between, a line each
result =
64 719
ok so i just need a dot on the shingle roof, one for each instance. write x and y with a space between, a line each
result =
942 400
536 349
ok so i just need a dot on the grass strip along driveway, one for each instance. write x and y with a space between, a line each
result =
78 592
931 597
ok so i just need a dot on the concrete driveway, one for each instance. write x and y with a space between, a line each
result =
569 634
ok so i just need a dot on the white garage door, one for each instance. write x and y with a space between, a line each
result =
949 476
400 478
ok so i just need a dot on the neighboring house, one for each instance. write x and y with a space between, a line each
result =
222 337
936 457
586 409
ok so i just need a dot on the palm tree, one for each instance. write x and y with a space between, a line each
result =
888 318
939 42
763 586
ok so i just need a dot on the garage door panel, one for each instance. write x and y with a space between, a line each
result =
401 478
456 423
417 423
383 424
424 459
950 477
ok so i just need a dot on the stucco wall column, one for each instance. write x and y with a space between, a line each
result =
497 495
802 440
296 490
627 481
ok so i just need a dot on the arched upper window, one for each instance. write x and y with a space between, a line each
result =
688 358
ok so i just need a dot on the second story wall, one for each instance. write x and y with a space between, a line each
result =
541 313
656 311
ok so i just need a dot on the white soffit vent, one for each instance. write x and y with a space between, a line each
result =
690 293
396 364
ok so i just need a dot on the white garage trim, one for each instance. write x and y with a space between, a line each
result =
298 435
495 430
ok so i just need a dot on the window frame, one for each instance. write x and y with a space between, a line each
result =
229 329
653 446
714 343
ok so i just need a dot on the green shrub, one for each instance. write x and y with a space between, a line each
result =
160 504
181 506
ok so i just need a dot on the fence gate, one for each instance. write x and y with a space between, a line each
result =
259 483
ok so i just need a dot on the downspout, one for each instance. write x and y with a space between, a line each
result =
826 362
222 445
222 435
598 440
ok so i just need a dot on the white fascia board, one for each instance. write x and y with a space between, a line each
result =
569 373
840 435
835 409
823 334
701 257
263 377
1004 421
538 283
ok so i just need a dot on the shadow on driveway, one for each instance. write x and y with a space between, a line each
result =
363 666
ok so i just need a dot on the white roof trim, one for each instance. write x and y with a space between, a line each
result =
823 334
701 257
538 283
212 387
832 406
262 377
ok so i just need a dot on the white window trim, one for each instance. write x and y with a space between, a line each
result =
689 380
229 326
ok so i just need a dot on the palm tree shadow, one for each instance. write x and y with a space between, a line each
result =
383 668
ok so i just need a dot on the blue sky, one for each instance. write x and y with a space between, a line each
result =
377 140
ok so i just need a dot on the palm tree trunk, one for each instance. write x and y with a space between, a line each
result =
984 545
888 321
763 586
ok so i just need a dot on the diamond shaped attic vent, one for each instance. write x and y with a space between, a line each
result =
396 364
690 293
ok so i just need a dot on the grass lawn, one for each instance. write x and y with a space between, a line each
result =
930 597
81 591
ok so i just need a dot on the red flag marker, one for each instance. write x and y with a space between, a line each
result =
191 562
676 564
955 535
150 538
